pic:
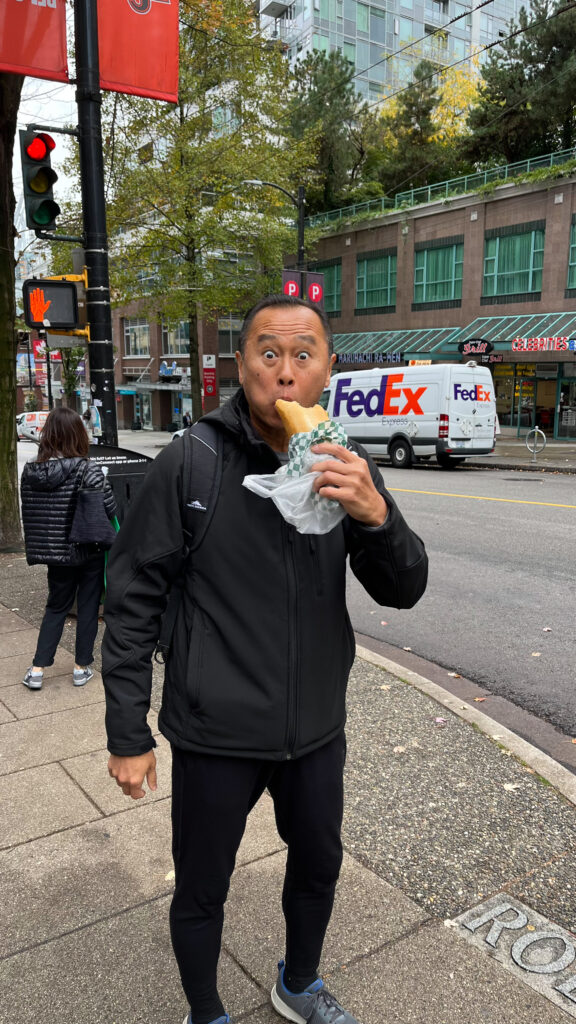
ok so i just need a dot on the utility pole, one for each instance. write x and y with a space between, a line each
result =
48 376
88 98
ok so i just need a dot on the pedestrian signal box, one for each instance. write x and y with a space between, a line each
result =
50 305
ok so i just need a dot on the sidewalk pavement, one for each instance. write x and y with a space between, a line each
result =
510 452
460 859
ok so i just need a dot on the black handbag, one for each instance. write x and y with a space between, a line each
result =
90 524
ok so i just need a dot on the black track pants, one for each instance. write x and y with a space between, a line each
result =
211 799
65 582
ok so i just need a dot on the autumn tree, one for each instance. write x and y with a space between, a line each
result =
10 532
189 236
420 129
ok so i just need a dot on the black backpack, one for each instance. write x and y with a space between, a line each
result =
202 473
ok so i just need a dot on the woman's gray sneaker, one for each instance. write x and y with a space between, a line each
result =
82 675
313 1006
33 680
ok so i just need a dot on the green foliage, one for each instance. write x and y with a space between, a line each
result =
71 357
410 150
527 100
328 117
187 232
188 236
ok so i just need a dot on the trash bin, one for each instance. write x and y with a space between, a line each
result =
125 470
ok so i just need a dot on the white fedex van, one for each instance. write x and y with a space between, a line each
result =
445 409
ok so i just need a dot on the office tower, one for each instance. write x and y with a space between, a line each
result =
365 33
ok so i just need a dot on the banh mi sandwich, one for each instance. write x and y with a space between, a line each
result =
297 419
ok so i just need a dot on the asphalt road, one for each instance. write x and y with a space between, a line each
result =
500 607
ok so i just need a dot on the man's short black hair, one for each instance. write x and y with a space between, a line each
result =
280 301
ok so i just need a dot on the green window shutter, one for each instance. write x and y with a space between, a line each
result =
376 281
513 263
438 273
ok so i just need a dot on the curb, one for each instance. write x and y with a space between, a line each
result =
559 777
530 467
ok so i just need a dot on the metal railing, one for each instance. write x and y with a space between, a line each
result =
443 189
471 182
380 205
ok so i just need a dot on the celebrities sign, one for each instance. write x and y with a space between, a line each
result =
544 345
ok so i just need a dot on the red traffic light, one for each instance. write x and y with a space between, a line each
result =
38 177
40 147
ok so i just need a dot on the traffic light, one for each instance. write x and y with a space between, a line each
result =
38 178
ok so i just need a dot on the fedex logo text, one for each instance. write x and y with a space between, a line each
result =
476 394
391 398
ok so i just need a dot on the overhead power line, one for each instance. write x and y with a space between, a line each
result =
483 49
422 39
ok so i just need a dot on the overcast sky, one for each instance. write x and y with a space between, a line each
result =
46 103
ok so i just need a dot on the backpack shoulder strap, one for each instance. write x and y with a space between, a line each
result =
202 473
202 476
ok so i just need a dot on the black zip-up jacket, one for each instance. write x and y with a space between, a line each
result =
49 491
263 645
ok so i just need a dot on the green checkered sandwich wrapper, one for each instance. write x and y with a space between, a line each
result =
299 444
291 487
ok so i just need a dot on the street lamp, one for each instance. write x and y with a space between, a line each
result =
299 202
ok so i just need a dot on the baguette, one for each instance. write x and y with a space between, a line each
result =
297 419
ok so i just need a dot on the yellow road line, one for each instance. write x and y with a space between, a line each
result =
480 497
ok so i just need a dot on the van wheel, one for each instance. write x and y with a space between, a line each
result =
447 463
401 454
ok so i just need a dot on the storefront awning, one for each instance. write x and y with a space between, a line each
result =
374 342
504 329
143 385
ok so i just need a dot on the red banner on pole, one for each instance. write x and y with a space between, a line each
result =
33 39
138 47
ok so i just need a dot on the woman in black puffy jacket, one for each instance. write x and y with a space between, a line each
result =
49 489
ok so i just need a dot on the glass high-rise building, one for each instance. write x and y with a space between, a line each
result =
370 34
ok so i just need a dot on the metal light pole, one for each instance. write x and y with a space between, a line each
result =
88 97
300 204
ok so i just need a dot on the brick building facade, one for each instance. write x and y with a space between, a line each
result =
414 284
499 268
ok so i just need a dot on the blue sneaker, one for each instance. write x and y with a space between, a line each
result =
80 676
33 680
220 1020
313 1006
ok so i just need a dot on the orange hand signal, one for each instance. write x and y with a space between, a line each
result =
38 304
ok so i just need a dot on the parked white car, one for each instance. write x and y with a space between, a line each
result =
30 424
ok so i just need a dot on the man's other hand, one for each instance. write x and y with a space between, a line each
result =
130 773
346 478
